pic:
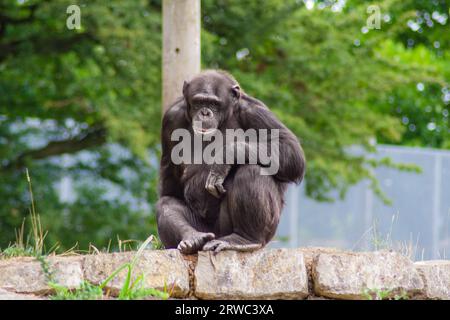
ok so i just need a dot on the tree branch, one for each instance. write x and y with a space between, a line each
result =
44 45
10 20
5 20
90 139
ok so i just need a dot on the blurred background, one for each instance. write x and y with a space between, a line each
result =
363 84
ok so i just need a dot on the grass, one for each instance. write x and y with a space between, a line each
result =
36 226
33 246
19 248
378 241
134 289
14 251
384 294
406 248
131 289
89 291
86 291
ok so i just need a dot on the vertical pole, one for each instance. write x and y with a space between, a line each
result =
294 195
368 213
436 219
181 46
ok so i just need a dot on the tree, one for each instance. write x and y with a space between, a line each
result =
93 93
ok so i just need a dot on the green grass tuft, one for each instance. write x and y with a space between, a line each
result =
16 251
86 291
384 294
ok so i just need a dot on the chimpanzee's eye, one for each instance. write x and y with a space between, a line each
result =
214 106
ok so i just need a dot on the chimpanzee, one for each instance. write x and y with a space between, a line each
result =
228 206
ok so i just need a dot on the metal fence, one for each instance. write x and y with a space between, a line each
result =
417 222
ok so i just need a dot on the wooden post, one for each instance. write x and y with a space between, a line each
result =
181 46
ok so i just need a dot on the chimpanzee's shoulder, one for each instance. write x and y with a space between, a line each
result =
175 114
251 105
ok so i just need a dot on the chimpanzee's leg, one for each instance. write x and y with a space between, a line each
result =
179 227
251 212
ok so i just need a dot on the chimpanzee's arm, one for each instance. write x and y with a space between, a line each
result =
170 184
254 114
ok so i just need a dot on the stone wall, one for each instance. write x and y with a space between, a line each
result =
304 273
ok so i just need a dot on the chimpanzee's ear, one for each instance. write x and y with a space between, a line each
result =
236 90
185 89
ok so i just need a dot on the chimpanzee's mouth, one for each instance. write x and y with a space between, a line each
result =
204 131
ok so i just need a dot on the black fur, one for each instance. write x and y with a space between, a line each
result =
192 216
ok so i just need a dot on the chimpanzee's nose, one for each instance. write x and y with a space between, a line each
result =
206 112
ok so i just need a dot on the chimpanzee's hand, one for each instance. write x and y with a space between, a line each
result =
216 177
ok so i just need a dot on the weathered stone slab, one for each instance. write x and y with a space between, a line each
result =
162 269
351 275
22 275
436 275
26 275
309 255
7 295
67 271
263 274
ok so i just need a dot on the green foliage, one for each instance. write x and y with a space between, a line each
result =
86 291
384 294
85 105
37 235
16 251
97 92
89 291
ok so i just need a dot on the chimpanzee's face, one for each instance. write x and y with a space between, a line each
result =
211 99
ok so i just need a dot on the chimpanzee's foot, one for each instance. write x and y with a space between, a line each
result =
195 242
219 245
